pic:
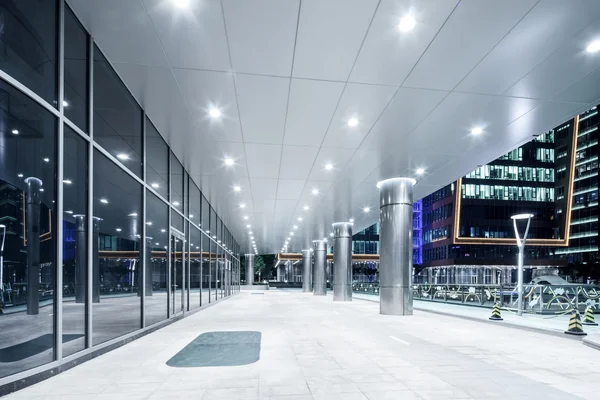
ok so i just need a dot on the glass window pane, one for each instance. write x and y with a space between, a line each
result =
195 267
29 44
117 117
213 270
195 203
157 160
75 241
176 183
205 269
205 215
157 238
116 308
75 103
27 216
176 221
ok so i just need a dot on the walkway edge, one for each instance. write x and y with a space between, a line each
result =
503 323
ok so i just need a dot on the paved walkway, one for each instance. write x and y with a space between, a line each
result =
313 348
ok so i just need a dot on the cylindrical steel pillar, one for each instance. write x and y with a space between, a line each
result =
34 204
306 271
396 246
96 261
148 278
249 269
320 255
342 261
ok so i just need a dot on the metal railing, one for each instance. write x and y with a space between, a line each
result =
541 299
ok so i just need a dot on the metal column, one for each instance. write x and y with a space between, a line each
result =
306 271
320 254
33 210
342 261
396 246
249 269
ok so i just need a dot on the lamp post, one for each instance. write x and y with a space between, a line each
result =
521 247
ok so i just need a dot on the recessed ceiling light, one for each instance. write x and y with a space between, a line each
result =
214 112
331 234
46 159
65 103
291 233
315 191
237 189
351 220
407 23
132 215
593 47
122 156
242 205
156 244
245 217
289 238
163 230
300 219
176 203
15 131
248 226
20 175
207 231
191 215
69 212
251 237
477 130
149 223
214 236
229 161
67 181
306 208
366 209
420 171
118 229
218 241
352 122
295 226
250 232
155 185
103 201
329 166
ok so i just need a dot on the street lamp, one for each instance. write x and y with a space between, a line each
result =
521 247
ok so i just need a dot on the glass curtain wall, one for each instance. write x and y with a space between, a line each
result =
81 212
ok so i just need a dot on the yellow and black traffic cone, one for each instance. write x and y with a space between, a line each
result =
496 316
588 317
575 325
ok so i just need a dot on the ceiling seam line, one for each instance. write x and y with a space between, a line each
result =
237 103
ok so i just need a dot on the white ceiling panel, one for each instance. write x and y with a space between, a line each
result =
406 111
472 30
388 55
125 19
262 101
290 189
550 24
263 160
338 157
261 35
331 32
561 69
360 101
193 37
308 119
528 57
205 89
297 161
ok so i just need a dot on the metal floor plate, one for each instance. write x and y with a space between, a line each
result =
219 349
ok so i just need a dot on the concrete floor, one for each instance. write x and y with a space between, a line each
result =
313 348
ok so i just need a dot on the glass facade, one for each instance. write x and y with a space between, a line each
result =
96 242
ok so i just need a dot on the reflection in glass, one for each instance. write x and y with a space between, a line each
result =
157 239
29 44
117 233
195 263
27 224
76 71
195 203
117 116
213 269
176 184
177 280
75 240
157 158
205 269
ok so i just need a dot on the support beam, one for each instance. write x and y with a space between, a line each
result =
320 282
342 261
306 271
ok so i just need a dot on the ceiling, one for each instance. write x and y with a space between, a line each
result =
288 75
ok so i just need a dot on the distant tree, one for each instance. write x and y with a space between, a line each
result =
259 266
